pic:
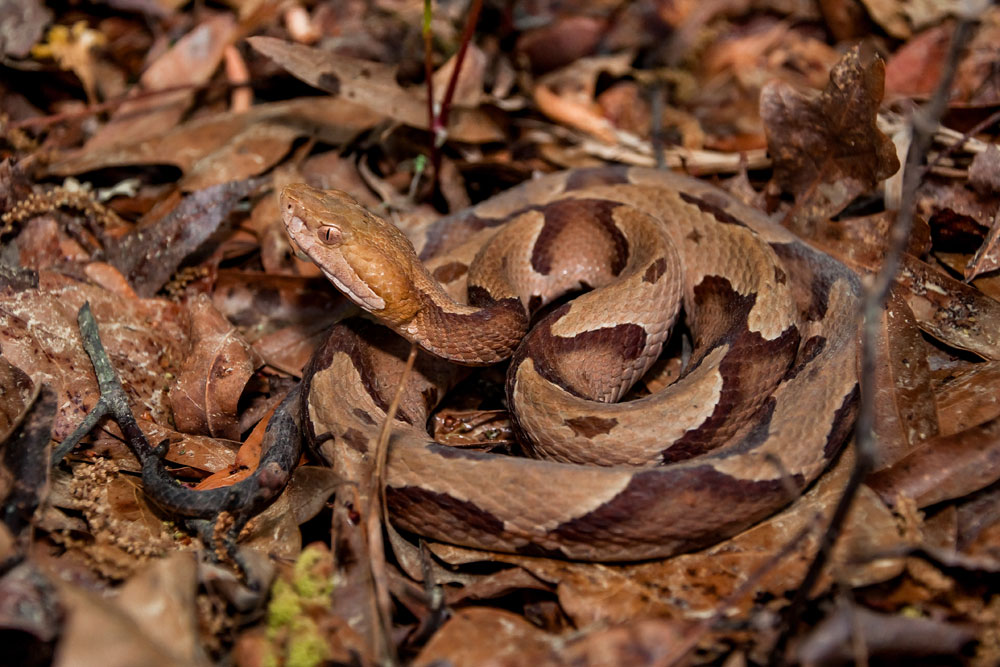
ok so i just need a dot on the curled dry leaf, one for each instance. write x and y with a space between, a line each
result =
905 411
944 467
373 86
208 388
145 339
827 149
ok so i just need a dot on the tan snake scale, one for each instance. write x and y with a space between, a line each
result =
764 402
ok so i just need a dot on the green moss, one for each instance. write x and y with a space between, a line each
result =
311 577
284 606
306 647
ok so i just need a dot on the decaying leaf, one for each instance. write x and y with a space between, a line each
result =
150 255
827 149
145 338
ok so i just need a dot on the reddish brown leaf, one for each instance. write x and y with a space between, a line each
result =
944 467
209 386
827 149
969 399
39 335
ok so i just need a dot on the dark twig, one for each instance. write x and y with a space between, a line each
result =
924 121
242 500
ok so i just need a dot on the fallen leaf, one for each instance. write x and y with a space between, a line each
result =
970 399
224 147
191 61
208 388
950 310
828 149
372 85
944 467
144 338
905 411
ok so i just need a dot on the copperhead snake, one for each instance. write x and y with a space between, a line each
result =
765 401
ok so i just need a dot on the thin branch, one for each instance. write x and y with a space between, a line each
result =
376 514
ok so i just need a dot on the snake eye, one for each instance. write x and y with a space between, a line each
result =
330 235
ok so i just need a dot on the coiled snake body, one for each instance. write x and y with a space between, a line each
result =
765 401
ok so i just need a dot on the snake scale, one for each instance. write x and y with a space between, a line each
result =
765 400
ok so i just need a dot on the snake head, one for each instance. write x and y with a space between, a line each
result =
366 258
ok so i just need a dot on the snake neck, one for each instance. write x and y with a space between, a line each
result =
485 332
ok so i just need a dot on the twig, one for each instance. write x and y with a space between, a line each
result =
438 115
376 513
924 121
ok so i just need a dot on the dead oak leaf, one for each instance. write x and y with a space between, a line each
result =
827 149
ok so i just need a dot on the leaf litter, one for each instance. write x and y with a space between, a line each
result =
208 319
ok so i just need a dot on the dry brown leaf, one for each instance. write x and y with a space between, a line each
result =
969 399
224 147
944 467
950 310
561 42
905 411
373 86
486 636
160 598
828 149
91 619
567 96
144 338
191 61
208 388
469 87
